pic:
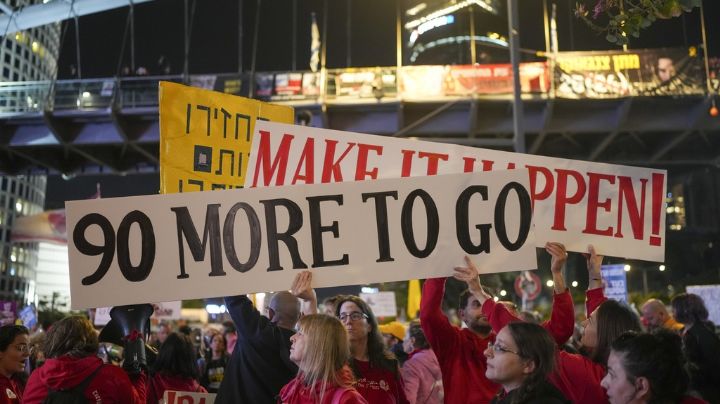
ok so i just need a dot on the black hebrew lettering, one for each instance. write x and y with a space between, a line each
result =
525 216
202 159
317 229
462 220
211 232
433 223
107 249
255 233
207 109
187 122
215 186
226 116
223 152
381 218
246 118
199 184
147 256
240 160
274 237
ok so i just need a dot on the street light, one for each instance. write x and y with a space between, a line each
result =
627 267
574 284
662 268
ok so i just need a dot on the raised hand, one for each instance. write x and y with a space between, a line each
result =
559 257
470 275
594 264
302 289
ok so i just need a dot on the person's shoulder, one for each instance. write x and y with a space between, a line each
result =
351 396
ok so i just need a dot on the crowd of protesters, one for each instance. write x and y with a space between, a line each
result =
291 354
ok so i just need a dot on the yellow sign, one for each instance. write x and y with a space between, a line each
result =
205 137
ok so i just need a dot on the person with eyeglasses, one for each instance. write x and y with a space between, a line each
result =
375 368
520 360
14 352
648 368
577 376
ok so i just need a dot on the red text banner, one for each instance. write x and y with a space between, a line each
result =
209 244
618 209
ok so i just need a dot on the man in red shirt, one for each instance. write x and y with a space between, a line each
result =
459 351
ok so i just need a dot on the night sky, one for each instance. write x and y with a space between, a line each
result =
214 40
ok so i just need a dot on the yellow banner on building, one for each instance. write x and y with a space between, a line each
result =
205 137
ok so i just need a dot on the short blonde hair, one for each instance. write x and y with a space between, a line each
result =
327 350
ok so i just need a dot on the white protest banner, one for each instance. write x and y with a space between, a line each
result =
184 397
206 244
618 209
711 296
162 311
382 303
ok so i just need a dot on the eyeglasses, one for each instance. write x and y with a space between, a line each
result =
24 348
501 349
354 316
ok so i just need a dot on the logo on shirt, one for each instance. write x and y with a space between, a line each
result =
384 385
10 393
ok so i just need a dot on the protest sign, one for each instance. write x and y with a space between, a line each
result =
184 397
162 311
205 137
618 209
382 303
711 296
208 244
615 282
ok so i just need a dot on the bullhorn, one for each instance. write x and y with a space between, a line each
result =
128 327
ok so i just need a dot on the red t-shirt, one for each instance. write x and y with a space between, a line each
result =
378 385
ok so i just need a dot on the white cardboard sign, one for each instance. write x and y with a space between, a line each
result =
382 303
185 397
206 244
618 209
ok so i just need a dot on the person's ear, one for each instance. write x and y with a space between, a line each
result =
529 367
271 313
642 388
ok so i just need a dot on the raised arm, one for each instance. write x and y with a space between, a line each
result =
303 290
436 326
562 317
247 319
595 294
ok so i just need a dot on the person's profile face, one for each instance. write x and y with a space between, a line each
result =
666 69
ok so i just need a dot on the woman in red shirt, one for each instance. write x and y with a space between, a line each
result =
174 369
376 369
321 351
14 351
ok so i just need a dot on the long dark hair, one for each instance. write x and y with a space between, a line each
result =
689 308
72 336
658 357
377 353
8 334
416 331
535 344
177 357
613 319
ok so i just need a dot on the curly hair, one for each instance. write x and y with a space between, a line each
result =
377 353
72 336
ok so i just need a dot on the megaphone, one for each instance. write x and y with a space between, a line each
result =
128 327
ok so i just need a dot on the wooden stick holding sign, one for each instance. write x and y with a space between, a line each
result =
195 245
618 209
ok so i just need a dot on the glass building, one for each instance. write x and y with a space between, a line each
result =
32 54
19 196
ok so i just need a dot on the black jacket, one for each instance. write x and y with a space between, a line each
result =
702 349
545 394
260 363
